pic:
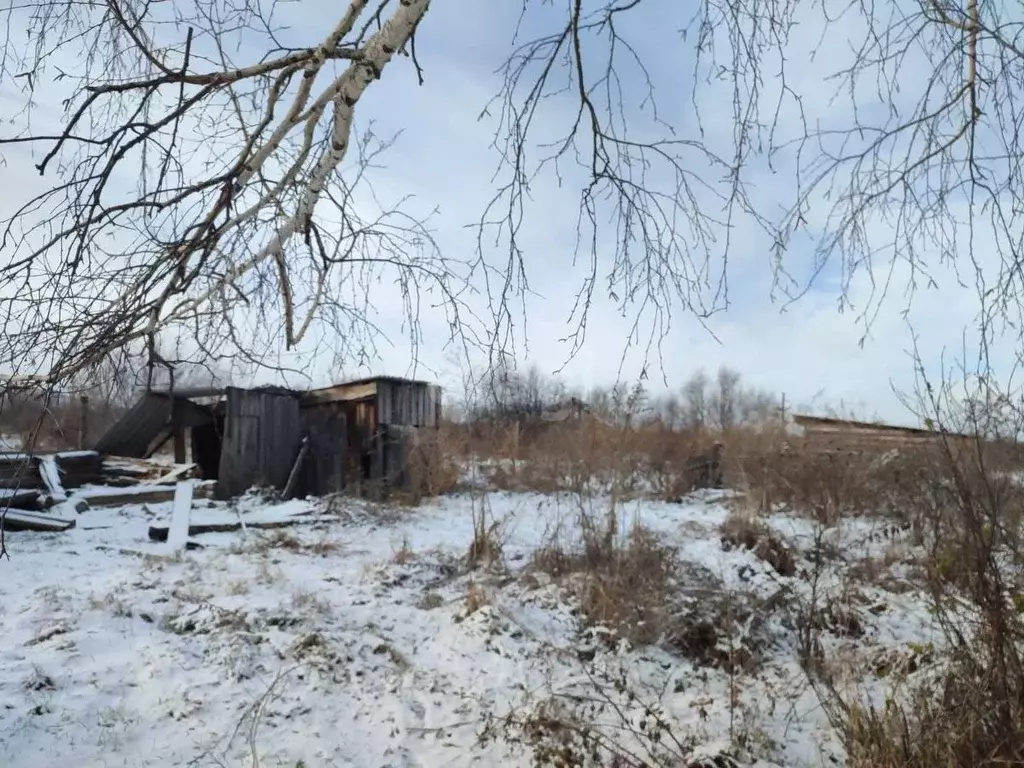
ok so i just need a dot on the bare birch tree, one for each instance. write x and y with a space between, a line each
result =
208 185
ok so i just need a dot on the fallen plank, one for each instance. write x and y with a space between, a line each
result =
23 520
159 532
180 515
139 494
19 497
49 471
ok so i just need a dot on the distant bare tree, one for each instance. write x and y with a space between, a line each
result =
725 400
695 401
671 411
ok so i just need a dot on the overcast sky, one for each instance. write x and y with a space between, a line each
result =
443 158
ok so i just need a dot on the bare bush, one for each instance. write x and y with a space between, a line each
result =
969 711
485 550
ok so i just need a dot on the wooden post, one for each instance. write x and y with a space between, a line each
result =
293 476
178 431
83 422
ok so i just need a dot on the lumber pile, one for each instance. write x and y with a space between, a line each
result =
69 469
122 471
19 470
78 468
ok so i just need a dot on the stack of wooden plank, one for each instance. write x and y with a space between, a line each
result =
74 469
69 482
122 471
19 470
78 468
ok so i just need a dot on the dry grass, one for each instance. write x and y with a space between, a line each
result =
432 466
476 598
283 540
307 603
958 726
486 548
965 521
959 522
585 456
743 530
404 554
625 586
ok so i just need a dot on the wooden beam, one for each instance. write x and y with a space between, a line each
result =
160 532
139 494
178 432
340 393
293 476
23 520
180 516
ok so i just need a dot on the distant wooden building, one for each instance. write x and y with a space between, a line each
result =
827 434
345 437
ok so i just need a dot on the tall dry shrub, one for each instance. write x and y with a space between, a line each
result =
972 712
433 465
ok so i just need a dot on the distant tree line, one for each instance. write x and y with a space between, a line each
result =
718 402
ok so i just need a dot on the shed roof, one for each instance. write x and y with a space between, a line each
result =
805 420
359 389
149 419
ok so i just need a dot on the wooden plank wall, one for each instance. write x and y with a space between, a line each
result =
398 443
262 433
408 403
830 438
327 461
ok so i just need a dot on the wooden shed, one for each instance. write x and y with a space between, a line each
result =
339 438
381 418
827 434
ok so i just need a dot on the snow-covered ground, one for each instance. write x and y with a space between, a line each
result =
362 639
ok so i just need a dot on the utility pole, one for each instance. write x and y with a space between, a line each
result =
782 409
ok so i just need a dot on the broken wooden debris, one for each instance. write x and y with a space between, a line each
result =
177 536
293 476
120 470
73 506
78 468
54 472
20 497
20 471
24 520
178 472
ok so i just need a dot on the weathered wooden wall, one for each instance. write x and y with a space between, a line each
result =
826 435
376 420
408 403
262 433
397 445
327 467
